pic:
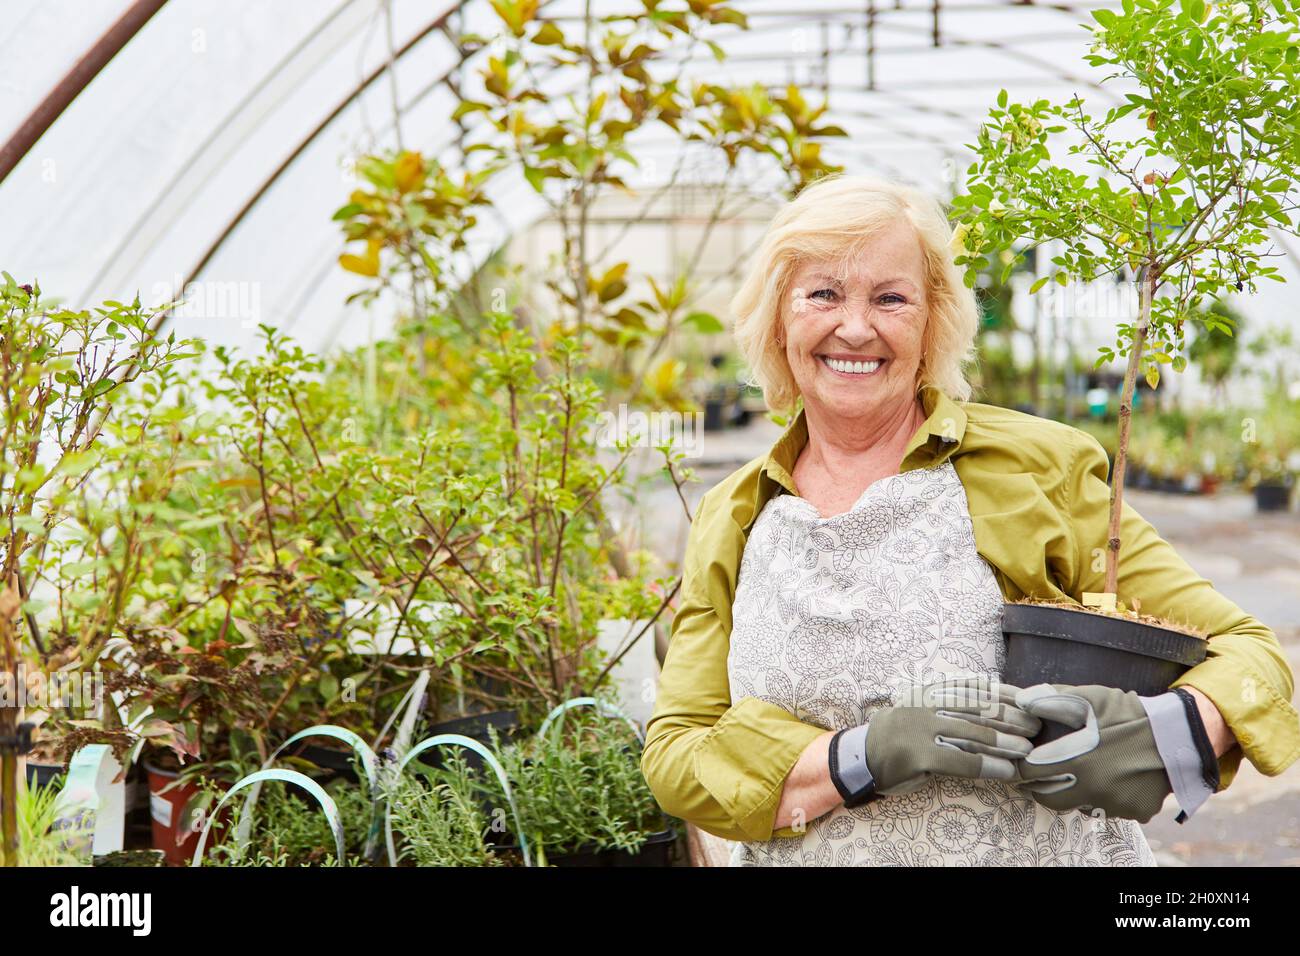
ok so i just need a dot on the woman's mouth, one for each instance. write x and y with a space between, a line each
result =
850 367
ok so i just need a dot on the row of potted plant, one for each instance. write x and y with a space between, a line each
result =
1257 449
569 794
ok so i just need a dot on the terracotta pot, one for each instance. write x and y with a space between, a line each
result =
166 807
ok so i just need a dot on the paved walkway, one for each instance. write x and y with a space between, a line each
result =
1252 559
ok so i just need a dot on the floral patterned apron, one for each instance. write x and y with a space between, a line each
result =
834 616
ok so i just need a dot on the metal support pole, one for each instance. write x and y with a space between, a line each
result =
76 80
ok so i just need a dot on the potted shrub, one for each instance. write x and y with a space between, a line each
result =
1195 168
289 830
1269 457
439 817
581 796
73 437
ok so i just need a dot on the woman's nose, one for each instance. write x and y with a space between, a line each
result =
857 327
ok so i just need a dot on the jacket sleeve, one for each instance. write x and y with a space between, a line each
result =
719 765
1245 673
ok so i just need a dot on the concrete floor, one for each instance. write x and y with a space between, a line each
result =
1252 559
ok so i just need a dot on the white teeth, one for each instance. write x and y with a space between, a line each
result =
855 368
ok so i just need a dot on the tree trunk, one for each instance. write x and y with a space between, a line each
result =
9 787
1146 288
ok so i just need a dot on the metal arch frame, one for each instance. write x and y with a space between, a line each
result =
185 169
947 40
89 66
437 23
873 18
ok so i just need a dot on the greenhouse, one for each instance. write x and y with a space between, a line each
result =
649 434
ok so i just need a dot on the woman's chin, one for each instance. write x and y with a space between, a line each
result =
848 401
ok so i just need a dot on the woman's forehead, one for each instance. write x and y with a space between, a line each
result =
874 273
877 258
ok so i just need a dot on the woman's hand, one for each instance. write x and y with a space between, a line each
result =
959 727
963 726
1125 754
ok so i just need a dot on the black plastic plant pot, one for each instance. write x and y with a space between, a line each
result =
1057 645
132 858
1272 496
336 763
657 851
714 420
476 727
43 774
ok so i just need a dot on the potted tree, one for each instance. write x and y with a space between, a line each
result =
1270 439
1192 172
1271 452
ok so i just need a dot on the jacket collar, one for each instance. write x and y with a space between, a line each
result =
938 437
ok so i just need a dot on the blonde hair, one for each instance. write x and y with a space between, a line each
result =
832 219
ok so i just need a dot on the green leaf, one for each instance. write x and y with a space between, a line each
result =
105 384
535 177
1002 99
704 323
29 524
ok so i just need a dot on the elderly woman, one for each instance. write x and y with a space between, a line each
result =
830 694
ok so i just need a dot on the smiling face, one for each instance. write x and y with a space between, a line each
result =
854 342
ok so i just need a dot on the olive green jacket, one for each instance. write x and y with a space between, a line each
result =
1039 503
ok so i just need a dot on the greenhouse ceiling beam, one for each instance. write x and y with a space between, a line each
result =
197 166
77 79
950 40
856 12
436 24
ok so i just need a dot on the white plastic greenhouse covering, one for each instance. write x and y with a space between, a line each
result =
197 143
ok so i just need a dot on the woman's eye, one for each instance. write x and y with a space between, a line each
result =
829 292
892 295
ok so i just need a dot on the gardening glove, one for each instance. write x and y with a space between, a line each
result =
1125 754
962 727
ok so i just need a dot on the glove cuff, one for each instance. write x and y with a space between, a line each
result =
1201 737
1173 728
848 766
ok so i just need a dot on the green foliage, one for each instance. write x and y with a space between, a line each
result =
1183 197
77 485
290 829
440 818
1217 344
1272 440
40 842
580 787
412 214
1188 196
